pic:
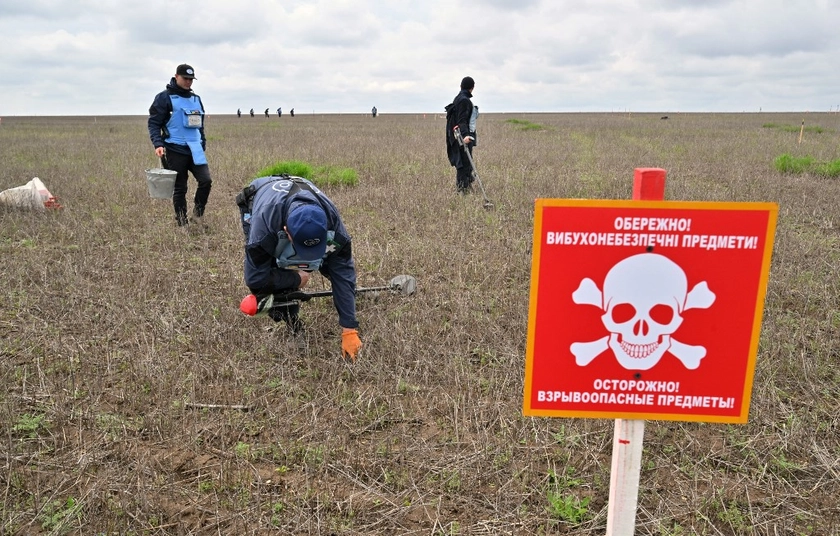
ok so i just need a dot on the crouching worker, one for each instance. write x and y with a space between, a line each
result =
292 229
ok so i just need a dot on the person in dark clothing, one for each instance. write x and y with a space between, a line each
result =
176 128
292 229
292 112
238 112
373 111
266 112
279 112
459 113
252 112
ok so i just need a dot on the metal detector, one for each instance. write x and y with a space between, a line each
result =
402 284
457 132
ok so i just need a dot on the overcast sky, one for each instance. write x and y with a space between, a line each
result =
110 57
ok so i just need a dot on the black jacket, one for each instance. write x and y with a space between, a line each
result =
459 114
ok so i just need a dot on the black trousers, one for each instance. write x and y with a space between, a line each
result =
183 164
463 174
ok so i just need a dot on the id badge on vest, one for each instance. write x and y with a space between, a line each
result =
193 118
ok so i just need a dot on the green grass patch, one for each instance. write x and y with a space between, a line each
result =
793 128
290 167
333 176
521 124
795 165
828 169
320 175
787 163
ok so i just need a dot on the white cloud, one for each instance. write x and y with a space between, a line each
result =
96 58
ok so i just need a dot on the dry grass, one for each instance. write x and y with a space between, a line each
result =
116 329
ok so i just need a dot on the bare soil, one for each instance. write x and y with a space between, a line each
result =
137 399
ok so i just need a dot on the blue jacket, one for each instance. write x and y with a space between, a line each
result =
161 111
263 227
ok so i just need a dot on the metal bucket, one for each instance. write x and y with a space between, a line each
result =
161 182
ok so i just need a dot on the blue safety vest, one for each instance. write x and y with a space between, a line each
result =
185 125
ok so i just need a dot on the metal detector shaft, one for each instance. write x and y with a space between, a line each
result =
251 305
457 131
300 295
403 284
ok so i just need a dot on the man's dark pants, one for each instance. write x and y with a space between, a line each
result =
183 164
463 174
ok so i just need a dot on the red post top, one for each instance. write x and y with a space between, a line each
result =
649 184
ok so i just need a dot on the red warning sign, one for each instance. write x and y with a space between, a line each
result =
646 309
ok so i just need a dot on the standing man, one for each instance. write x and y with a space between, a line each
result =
238 112
373 111
252 112
279 112
292 112
176 128
459 113
291 229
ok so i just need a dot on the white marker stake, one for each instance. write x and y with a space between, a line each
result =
624 477
648 184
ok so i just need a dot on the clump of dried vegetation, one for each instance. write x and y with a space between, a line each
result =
136 399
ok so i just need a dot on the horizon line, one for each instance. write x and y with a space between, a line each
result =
622 112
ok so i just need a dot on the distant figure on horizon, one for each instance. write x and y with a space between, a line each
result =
252 112
292 112
238 112
373 111
266 112
279 112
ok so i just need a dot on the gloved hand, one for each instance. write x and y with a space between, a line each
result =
350 343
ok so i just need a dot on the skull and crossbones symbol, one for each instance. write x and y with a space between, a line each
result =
643 300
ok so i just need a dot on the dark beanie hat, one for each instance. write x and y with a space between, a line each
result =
467 83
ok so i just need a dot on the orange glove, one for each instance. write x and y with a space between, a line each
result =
350 343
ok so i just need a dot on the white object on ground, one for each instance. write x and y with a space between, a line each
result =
33 195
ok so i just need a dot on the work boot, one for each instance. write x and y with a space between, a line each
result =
289 315
296 327
197 218
294 333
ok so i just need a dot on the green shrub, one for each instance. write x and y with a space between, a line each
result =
290 167
331 176
30 425
828 169
521 124
806 164
563 504
793 164
321 175
794 128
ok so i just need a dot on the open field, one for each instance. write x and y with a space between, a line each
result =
137 399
